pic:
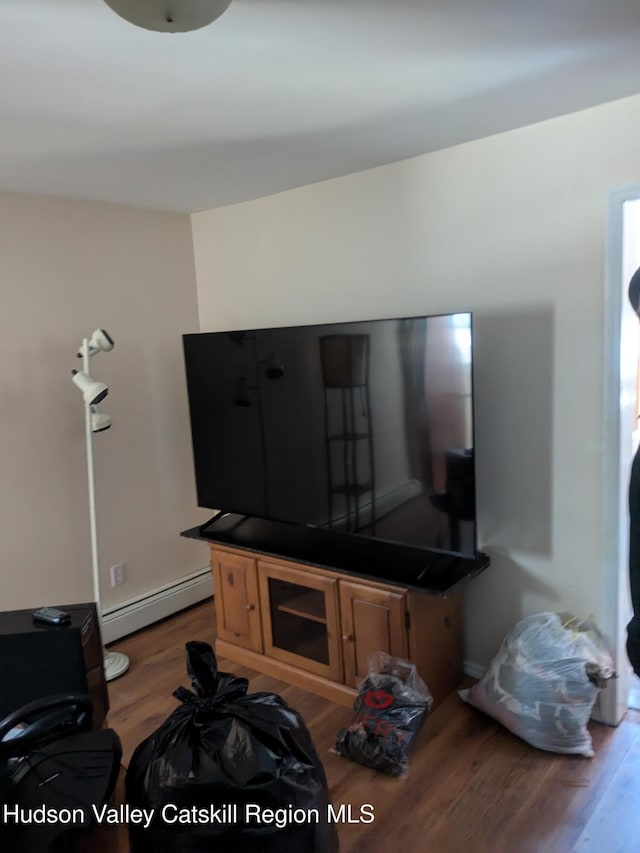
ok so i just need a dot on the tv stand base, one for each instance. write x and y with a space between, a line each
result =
338 693
315 628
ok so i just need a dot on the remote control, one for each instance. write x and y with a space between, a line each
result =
51 615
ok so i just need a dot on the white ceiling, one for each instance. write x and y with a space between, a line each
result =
280 93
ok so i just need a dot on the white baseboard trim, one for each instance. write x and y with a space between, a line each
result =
140 612
474 670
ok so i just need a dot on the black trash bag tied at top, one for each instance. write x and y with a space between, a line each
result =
228 771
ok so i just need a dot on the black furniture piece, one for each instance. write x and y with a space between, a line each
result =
51 761
38 660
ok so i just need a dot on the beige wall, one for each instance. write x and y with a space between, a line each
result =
513 228
67 268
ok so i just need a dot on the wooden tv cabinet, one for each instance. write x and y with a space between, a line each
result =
315 627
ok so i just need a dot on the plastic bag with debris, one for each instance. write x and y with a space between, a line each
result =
389 709
543 682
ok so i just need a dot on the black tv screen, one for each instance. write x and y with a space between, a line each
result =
362 428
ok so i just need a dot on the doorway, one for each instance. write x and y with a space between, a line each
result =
621 375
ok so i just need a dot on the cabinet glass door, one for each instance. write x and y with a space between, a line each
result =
299 619
301 624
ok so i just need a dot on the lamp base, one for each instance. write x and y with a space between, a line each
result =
115 665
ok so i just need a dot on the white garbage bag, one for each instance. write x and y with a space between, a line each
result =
543 682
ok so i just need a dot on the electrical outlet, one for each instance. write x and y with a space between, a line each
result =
117 575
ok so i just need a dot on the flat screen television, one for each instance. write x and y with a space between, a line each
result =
362 429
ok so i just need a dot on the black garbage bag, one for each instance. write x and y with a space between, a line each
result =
228 771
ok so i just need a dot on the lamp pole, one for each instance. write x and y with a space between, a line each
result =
115 663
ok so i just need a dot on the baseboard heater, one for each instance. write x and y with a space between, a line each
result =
129 616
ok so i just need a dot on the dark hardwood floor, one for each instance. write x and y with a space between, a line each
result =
472 787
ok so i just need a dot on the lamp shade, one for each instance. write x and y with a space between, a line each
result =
99 420
169 16
92 391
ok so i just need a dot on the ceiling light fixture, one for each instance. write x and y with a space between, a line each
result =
169 16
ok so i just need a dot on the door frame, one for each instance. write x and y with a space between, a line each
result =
619 419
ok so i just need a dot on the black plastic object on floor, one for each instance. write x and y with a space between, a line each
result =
389 709
53 771
229 771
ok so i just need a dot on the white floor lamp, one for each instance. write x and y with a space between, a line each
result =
115 663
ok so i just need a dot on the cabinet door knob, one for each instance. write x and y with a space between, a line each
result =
348 638
251 607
